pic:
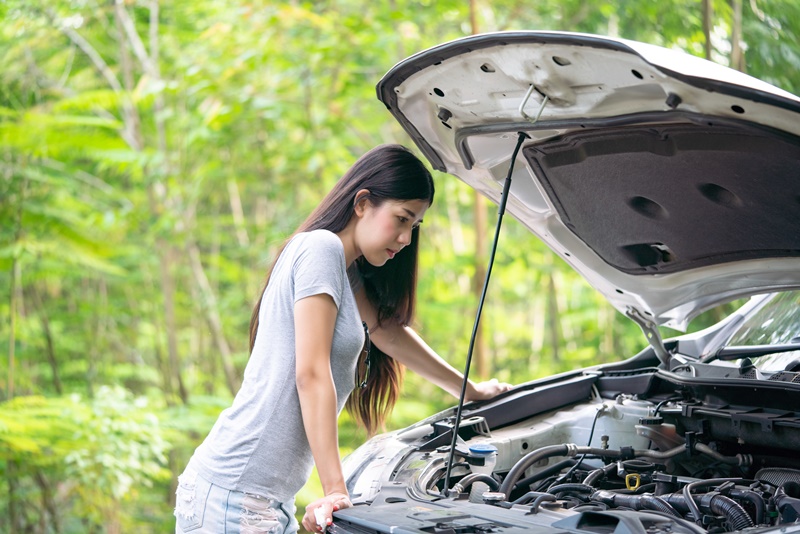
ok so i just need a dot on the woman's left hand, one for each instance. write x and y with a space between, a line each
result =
327 505
486 390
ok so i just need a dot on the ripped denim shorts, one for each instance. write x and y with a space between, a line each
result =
203 507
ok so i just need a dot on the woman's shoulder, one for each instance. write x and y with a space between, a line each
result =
318 237
319 241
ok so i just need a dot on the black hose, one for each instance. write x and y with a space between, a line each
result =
546 452
688 525
597 473
573 450
787 501
753 498
716 504
651 502
539 500
544 473
579 488
566 475
694 509
637 465
645 488
636 502
738 517
526 461
530 495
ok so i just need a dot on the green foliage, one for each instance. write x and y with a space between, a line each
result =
115 166
87 458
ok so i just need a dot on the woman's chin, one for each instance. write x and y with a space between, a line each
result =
376 262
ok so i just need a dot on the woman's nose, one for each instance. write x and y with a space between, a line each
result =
405 238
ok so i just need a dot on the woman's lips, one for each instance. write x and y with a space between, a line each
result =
391 253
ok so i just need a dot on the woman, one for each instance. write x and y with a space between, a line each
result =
340 294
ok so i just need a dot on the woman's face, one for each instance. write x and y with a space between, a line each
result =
382 231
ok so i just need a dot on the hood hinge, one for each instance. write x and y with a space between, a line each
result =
651 332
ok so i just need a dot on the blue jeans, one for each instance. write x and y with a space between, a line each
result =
204 507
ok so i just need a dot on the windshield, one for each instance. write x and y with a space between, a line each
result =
776 323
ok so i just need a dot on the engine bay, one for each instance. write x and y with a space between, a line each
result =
676 451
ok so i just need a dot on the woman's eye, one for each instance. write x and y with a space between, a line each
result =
403 219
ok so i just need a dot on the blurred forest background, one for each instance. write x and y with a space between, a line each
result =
153 155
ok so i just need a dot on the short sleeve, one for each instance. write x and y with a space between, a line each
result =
319 267
355 278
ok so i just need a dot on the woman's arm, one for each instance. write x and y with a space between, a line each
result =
407 347
317 394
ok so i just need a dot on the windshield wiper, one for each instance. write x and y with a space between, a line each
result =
753 351
500 211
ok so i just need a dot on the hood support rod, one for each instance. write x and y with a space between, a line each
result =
651 332
501 209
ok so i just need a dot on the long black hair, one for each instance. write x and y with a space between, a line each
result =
389 173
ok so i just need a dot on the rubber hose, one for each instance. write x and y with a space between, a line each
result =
637 502
530 495
731 509
787 501
580 488
539 500
755 499
651 502
544 473
526 461
718 504
592 477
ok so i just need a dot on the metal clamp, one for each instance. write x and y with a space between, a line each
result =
527 117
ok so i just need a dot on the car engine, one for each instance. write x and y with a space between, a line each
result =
690 449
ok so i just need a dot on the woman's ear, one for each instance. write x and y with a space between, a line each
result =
360 202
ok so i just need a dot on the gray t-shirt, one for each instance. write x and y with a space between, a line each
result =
259 444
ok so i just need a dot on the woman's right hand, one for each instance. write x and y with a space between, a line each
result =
486 390
327 505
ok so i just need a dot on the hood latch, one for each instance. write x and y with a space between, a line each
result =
535 118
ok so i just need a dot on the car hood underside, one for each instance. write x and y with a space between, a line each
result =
670 183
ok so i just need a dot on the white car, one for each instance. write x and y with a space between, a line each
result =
672 185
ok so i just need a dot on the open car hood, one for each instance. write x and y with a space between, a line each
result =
670 183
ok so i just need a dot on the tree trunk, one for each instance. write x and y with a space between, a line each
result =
168 290
538 315
16 275
12 341
13 486
48 503
93 333
553 319
708 15
161 365
454 217
157 191
48 338
211 311
479 206
736 37
238 213
150 64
